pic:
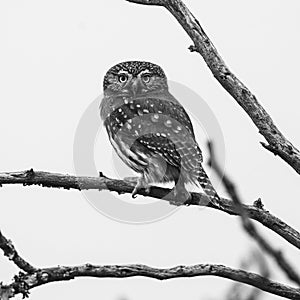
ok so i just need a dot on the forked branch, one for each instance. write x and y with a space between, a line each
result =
34 277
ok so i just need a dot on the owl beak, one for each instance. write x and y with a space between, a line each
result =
136 86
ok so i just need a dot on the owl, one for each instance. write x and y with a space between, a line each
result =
151 131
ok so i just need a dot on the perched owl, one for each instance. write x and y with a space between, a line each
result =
151 131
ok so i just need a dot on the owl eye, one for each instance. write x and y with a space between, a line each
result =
146 78
122 78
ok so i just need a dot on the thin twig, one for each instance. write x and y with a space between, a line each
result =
10 251
55 180
277 143
61 273
249 225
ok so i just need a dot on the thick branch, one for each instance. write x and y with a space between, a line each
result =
23 283
249 226
46 179
277 143
10 251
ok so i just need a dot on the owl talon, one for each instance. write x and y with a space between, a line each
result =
135 192
141 184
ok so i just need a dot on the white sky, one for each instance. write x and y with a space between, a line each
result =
54 55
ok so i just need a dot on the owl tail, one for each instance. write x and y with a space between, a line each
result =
208 188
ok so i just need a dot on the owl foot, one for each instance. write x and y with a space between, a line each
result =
141 184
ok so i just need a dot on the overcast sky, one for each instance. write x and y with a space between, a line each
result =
54 55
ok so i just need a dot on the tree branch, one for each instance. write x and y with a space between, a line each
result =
277 143
35 277
12 254
55 180
249 225
24 282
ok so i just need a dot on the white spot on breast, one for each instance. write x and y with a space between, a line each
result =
154 117
168 123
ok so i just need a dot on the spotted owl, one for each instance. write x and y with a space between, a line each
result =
151 131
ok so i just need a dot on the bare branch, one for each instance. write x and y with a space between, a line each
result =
10 251
62 273
35 277
55 180
277 143
249 225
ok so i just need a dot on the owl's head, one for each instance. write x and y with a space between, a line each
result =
134 78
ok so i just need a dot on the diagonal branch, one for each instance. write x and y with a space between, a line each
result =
24 282
55 180
249 226
10 251
277 143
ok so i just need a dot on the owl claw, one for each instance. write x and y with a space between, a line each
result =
134 192
141 184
